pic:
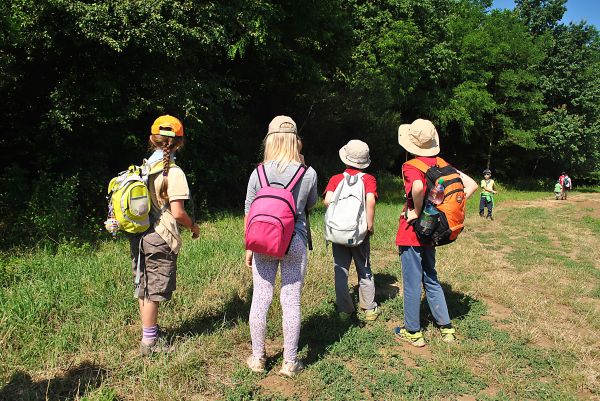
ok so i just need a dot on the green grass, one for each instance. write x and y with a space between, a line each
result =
69 325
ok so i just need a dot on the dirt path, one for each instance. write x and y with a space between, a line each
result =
588 203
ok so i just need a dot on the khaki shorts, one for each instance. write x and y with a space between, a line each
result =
158 267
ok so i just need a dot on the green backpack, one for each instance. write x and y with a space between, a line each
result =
129 202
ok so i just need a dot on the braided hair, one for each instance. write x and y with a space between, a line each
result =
168 145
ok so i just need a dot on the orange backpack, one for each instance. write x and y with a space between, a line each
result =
452 209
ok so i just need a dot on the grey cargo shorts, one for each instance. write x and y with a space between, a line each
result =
158 266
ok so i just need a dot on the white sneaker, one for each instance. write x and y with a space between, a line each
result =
256 364
291 369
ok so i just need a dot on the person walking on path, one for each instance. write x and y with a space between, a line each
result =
488 190
282 162
567 185
561 180
418 258
355 155
156 250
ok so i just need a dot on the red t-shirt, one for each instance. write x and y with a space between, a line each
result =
406 233
369 181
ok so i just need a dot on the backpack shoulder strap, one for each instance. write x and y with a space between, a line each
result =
418 164
298 175
155 168
441 162
262 176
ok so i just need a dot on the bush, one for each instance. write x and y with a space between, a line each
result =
46 209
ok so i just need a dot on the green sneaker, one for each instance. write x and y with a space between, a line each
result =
372 314
415 339
448 334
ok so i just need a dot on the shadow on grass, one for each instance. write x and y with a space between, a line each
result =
234 310
385 288
321 331
73 384
324 329
459 306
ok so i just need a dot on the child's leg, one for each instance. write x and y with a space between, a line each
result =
433 288
158 273
264 270
293 269
149 316
412 274
342 257
490 205
481 205
366 286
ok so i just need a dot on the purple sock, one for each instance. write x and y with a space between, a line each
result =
149 334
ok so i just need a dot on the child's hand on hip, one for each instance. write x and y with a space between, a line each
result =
411 215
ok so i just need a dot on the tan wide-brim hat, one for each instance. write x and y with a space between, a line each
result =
419 138
356 154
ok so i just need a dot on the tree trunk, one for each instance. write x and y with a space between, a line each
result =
489 156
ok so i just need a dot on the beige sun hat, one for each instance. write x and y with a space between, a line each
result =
282 124
419 138
356 154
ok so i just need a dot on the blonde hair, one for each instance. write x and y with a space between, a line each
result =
283 148
168 145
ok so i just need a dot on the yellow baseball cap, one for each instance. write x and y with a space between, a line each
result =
167 126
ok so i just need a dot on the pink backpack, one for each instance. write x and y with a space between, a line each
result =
272 216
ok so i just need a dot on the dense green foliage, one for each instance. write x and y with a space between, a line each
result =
82 81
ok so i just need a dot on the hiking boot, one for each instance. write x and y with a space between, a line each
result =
372 314
448 334
158 346
291 369
414 339
256 364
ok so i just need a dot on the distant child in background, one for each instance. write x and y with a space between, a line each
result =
557 190
488 190
561 180
566 185
355 155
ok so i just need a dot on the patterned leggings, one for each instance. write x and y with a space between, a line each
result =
264 270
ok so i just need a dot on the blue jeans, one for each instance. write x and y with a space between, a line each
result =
484 203
418 266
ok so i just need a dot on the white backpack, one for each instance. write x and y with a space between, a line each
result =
346 215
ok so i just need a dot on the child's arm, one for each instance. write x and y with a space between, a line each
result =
494 188
371 213
181 216
418 195
248 256
327 199
469 184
